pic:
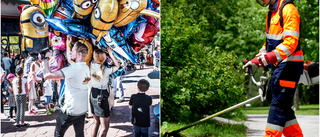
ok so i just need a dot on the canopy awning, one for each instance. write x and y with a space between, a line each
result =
10 27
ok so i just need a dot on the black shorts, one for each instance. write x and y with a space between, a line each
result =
103 109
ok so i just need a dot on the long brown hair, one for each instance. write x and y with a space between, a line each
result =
99 57
19 73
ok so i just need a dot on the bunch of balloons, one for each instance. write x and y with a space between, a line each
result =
124 25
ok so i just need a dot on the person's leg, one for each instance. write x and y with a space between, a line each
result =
144 131
121 88
79 126
62 124
104 126
30 105
19 110
24 104
114 81
11 112
95 126
137 132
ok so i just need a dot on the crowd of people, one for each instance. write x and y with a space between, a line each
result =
24 90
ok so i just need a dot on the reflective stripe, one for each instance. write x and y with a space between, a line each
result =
274 127
287 84
284 49
291 33
290 123
278 55
262 50
294 58
274 37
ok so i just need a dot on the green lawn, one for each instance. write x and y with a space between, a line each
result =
209 128
304 110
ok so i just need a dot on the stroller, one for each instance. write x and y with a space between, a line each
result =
130 66
140 59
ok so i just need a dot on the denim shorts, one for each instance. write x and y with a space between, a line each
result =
47 100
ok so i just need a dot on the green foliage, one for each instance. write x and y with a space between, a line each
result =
202 46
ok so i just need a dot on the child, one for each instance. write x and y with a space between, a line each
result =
11 102
20 91
47 91
140 104
32 92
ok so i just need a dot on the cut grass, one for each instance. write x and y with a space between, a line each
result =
303 110
209 128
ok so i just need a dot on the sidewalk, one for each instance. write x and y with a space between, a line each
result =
42 125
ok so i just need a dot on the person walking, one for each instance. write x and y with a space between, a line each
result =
77 76
11 99
283 54
100 91
140 106
7 62
20 90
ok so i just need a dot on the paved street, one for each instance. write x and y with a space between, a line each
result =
42 125
308 123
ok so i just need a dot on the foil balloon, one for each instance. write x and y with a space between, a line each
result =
58 41
34 30
119 72
129 10
144 34
89 55
57 62
49 6
103 17
115 40
153 5
62 12
83 8
71 27
68 4
132 26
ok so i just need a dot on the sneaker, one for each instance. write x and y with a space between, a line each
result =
12 120
34 111
18 126
56 108
48 112
31 112
4 116
41 105
35 108
120 100
24 125
52 110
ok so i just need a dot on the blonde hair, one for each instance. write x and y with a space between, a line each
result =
99 57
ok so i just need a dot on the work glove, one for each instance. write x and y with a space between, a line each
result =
261 60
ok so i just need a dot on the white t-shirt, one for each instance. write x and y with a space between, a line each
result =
47 88
15 86
6 62
77 77
103 82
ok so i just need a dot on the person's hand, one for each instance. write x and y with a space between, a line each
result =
109 50
253 64
69 39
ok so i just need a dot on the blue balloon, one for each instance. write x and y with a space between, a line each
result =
132 26
119 72
73 27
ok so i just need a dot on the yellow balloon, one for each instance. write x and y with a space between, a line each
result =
129 10
33 26
83 7
89 55
103 17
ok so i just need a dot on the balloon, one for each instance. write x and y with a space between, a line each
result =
129 10
132 26
58 41
71 27
103 17
62 12
89 55
57 62
34 30
83 7
153 4
67 4
119 72
115 40
49 6
144 34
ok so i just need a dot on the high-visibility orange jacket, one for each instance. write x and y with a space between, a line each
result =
283 41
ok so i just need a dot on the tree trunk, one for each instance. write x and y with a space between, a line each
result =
296 100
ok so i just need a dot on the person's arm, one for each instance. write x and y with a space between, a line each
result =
47 74
113 58
69 39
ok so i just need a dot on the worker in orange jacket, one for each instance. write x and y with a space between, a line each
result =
282 53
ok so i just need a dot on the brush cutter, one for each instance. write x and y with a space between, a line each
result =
262 87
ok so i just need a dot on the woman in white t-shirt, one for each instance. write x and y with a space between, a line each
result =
99 92
20 90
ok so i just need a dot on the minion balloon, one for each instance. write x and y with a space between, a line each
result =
129 10
103 17
34 30
83 8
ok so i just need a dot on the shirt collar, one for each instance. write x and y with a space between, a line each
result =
274 7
